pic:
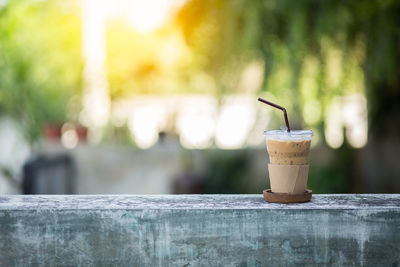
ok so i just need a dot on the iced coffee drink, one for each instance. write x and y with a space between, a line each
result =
290 149
288 152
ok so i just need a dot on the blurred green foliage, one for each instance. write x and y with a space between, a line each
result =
312 51
40 62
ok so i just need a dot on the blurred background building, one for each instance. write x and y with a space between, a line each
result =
160 96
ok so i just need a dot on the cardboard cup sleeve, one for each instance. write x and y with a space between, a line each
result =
290 179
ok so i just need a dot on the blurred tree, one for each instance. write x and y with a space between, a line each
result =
313 52
40 63
157 62
343 46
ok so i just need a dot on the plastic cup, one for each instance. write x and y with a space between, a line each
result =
288 167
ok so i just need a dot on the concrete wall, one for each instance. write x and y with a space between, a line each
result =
193 230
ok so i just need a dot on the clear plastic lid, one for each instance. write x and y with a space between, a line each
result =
283 135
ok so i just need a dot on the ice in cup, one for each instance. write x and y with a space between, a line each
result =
288 167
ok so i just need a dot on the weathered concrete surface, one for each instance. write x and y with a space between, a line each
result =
192 230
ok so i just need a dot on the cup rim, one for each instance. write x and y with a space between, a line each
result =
292 135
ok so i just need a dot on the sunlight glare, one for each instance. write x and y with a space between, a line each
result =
355 119
234 123
146 16
69 136
196 122
334 127
349 112
144 125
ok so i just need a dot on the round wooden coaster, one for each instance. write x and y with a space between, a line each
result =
287 198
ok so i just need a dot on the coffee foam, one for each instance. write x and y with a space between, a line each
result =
283 135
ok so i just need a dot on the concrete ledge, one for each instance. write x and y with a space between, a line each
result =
186 230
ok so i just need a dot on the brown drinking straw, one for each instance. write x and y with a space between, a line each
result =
278 107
